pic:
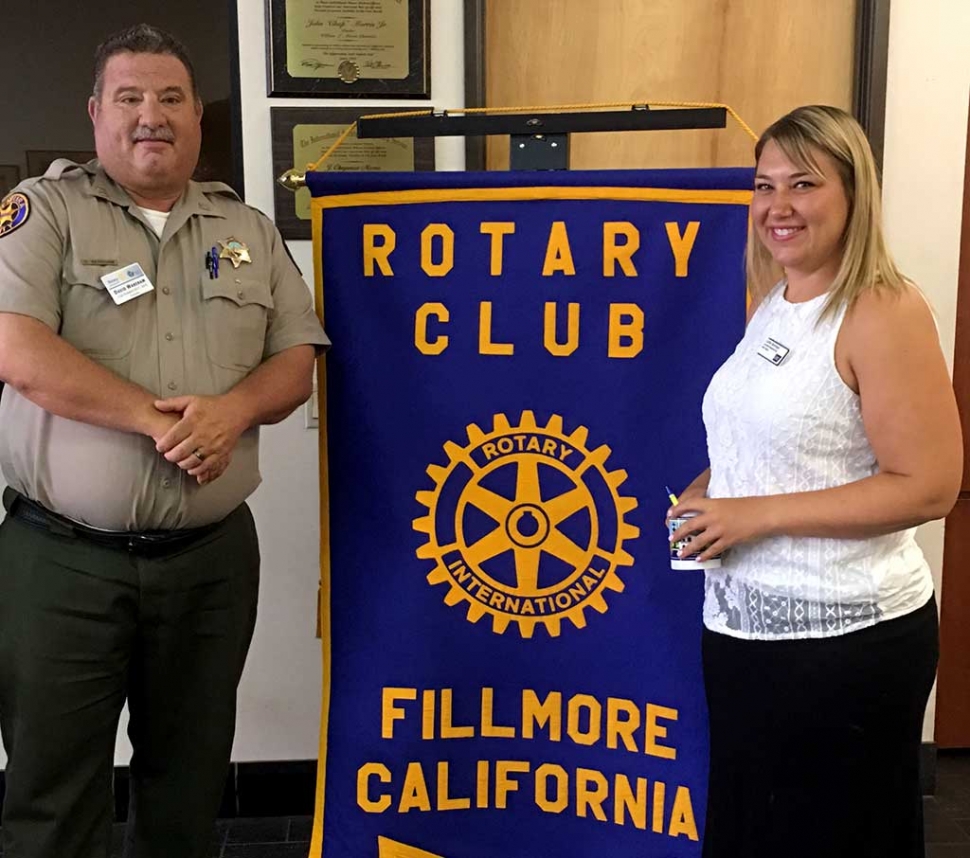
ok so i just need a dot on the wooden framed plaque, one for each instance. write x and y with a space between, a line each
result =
349 48
302 134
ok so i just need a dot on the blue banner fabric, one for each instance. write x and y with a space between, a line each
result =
512 667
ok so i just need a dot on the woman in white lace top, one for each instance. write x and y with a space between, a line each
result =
832 433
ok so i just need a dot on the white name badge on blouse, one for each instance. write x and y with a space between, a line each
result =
127 283
774 352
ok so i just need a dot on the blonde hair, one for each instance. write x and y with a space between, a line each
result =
866 262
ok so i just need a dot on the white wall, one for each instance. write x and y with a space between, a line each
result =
279 701
926 137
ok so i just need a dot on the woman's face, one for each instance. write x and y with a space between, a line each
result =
799 216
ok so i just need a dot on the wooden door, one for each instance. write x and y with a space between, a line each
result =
953 689
762 57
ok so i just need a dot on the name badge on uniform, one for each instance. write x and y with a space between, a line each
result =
127 283
773 351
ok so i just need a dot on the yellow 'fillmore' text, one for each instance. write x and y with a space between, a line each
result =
553 788
582 718
621 241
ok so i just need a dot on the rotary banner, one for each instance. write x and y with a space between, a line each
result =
511 667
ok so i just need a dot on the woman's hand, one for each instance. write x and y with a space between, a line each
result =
720 523
691 493
696 489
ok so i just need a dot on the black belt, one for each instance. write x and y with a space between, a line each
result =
138 542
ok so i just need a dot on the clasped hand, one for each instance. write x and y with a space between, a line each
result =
719 523
209 426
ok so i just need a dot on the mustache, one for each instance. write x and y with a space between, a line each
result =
163 134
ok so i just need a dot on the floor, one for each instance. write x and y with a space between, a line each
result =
276 837
947 812
947 823
272 837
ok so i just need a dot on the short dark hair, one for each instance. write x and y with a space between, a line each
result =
141 39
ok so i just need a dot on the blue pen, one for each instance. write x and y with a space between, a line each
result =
215 262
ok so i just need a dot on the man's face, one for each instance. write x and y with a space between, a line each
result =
147 125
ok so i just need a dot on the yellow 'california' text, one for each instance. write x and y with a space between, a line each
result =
588 793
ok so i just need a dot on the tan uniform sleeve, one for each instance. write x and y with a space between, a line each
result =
293 321
31 257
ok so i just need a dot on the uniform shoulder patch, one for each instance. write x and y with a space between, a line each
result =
14 211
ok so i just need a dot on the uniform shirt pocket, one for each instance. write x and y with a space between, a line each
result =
236 314
90 319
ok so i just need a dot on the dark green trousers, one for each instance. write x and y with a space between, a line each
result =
84 628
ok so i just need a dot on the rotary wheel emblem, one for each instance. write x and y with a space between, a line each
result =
526 524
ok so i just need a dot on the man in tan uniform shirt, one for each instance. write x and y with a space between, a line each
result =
148 326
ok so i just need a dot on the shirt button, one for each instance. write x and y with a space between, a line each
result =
169 337
166 290
172 385
240 294
166 483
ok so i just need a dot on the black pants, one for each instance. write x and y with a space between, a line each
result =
84 627
815 743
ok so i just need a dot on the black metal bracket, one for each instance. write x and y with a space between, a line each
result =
539 152
540 141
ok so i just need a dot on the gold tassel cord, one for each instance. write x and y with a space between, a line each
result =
294 179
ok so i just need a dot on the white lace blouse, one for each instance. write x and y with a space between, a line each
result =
780 419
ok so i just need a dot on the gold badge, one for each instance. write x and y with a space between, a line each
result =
235 251
14 211
348 71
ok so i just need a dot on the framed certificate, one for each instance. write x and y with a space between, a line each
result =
302 134
349 48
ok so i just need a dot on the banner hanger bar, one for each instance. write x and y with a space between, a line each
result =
639 118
